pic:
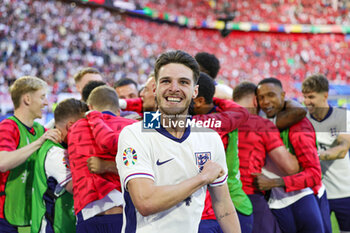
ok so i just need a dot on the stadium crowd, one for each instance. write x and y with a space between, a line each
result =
255 11
57 38
104 165
114 165
53 39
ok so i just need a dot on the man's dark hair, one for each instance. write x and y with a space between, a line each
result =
89 87
209 63
70 108
179 57
243 89
206 87
315 83
123 82
271 80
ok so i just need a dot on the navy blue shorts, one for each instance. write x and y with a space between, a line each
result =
6 227
264 220
303 216
341 208
100 224
325 212
246 222
209 226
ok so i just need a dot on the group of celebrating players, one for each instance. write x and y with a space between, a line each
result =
100 169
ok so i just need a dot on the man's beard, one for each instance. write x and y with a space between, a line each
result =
176 111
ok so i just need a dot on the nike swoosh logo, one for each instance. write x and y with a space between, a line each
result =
160 163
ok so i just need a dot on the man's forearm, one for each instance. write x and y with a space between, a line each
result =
228 220
272 183
224 209
12 159
150 199
292 114
339 151
264 183
333 153
110 166
278 182
100 166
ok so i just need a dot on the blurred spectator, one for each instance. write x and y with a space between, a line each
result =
126 88
257 11
54 40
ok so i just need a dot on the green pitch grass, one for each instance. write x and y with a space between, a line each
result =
335 227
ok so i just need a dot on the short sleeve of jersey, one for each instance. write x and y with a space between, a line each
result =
9 138
57 165
133 158
220 158
341 118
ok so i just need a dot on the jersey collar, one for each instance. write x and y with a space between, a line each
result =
330 110
109 113
213 110
165 133
30 129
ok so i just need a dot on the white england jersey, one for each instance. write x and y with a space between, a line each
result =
157 155
57 166
336 173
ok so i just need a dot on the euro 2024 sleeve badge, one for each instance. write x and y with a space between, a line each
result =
129 156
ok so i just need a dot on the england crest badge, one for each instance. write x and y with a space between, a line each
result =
202 158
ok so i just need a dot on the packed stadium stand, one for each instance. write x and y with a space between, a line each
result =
54 39
273 11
